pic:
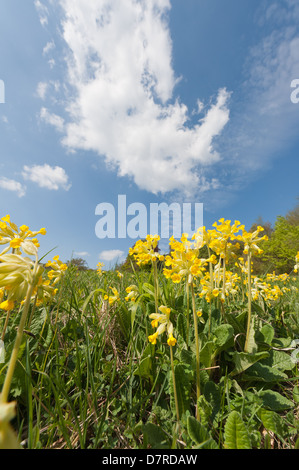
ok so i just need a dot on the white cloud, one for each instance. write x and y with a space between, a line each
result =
81 254
48 47
52 119
110 255
12 185
42 11
53 178
123 104
41 90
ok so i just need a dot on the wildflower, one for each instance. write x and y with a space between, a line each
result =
112 298
251 239
99 268
58 269
153 338
183 261
162 322
132 292
171 341
17 273
18 239
146 251
7 305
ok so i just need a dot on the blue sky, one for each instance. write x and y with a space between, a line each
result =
159 100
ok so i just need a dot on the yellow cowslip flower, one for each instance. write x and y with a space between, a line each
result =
162 322
296 267
15 243
58 269
250 240
183 261
176 278
208 291
153 338
99 268
171 341
112 298
132 292
18 239
17 273
146 251
7 305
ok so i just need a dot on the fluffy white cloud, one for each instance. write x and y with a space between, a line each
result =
43 12
41 90
48 177
110 255
12 185
123 105
52 118
81 254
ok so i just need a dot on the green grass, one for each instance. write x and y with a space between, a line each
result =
88 378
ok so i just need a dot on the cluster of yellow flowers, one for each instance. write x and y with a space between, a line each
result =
146 251
100 268
224 244
183 261
112 298
19 272
19 239
21 281
296 267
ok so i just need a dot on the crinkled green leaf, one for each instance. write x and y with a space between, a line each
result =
236 435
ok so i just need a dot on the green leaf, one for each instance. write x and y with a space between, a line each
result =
199 434
251 344
155 436
262 373
236 435
274 400
296 394
183 389
244 360
267 332
213 397
279 360
207 352
144 368
182 326
224 337
273 422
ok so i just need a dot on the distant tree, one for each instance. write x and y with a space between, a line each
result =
281 248
79 263
293 216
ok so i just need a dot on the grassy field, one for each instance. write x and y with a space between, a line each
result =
182 351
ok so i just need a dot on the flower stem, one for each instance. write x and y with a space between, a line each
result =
188 319
249 302
174 389
14 355
155 284
196 349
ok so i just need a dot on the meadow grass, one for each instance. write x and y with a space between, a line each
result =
95 369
